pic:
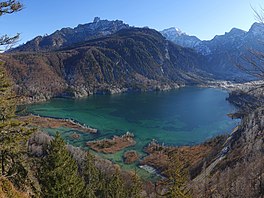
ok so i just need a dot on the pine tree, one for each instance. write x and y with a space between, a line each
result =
91 176
135 187
59 172
177 177
115 186
13 133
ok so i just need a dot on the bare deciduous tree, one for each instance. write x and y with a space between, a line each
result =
254 62
9 7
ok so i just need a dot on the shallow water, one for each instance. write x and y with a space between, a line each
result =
180 117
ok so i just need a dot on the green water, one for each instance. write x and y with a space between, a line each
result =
180 117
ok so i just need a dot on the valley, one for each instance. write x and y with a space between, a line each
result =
159 103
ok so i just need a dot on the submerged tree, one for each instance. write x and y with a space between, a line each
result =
59 175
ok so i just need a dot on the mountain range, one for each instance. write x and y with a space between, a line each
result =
236 38
223 52
133 59
68 36
111 56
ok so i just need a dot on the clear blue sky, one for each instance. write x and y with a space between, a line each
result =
202 18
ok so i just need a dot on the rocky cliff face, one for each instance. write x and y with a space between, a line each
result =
238 171
131 59
248 96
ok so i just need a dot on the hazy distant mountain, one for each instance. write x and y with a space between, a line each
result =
233 39
237 40
131 59
232 48
68 36
225 51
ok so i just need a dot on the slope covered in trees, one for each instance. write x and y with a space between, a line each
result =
131 59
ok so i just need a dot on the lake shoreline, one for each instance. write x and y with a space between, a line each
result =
218 84
113 116
156 153
25 100
52 122
113 145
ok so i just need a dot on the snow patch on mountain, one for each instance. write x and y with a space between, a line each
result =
235 38
177 36
181 38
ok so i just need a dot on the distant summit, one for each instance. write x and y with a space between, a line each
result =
70 36
257 29
172 32
236 31
234 38
223 52
177 36
96 19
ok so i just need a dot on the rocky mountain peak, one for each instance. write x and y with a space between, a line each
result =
70 36
236 31
173 32
96 19
257 29
177 36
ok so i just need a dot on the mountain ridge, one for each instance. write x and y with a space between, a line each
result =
111 57
133 59
225 52
68 36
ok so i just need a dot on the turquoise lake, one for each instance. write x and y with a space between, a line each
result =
180 117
